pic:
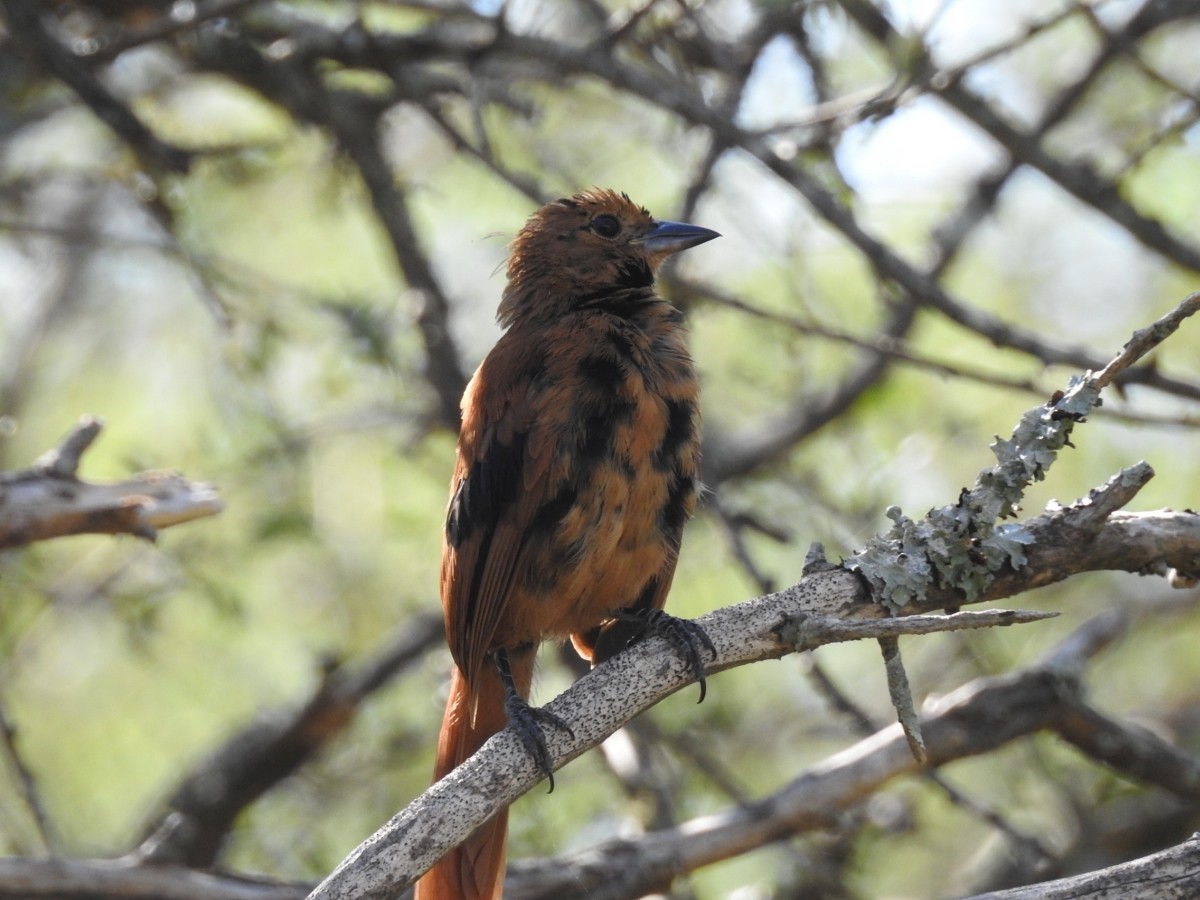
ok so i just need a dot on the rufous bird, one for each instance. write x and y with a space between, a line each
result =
577 469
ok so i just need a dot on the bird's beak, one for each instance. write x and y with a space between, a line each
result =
666 238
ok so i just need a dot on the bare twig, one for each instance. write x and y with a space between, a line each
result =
30 792
1146 339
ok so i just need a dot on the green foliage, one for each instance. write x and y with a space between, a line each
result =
249 324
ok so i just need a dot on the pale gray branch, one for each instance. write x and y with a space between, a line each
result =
1173 874
973 720
48 500
103 879
600 703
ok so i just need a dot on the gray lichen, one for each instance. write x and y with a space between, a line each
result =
963 546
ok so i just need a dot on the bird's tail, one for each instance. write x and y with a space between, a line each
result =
474 870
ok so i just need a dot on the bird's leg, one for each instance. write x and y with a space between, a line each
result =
528 720
684 635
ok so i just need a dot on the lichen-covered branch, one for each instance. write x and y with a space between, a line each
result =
964 545
829 604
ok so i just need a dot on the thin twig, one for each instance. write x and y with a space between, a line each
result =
30 792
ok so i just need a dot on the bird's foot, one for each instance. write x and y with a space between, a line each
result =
686 636
529 721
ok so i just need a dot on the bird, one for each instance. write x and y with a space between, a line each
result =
576 469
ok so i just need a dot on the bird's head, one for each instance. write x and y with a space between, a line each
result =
580 248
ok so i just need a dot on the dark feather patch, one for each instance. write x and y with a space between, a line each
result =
603 416
614 636
624 301
674 513
602 372
550 513
491 485
681 428
636 273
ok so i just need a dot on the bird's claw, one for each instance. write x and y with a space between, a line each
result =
685 635
528 722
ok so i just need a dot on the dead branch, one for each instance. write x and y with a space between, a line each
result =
103 879
48 500
1172 874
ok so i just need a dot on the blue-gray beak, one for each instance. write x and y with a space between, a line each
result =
671 237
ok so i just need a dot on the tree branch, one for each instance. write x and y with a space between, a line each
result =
1076 177
1172 874
256 758
353 120
25 19
48 500
960 546
103 879
975 719
600 703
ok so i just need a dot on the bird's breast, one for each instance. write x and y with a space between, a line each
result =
624 418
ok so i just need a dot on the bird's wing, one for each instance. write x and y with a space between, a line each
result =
500 481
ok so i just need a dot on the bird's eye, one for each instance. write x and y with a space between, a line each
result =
606 226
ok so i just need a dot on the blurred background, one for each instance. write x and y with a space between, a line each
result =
264 242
